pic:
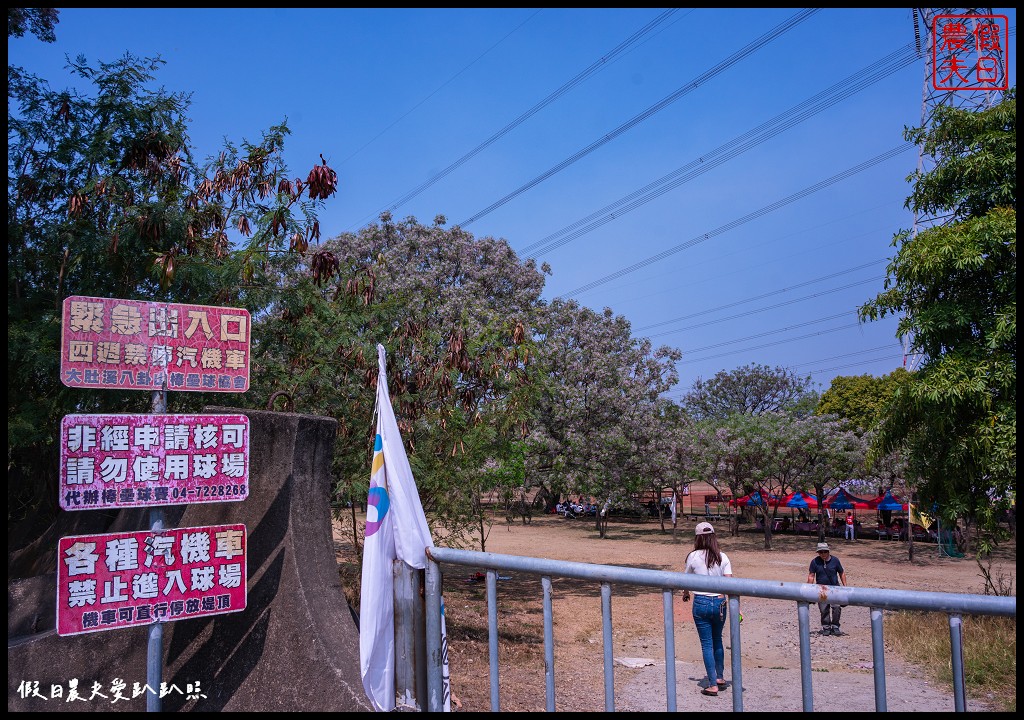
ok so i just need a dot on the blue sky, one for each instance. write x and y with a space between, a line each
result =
715 265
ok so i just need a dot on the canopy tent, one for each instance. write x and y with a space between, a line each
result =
842 500
799 500
888 501
753 499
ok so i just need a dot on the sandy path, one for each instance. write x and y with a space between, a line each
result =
842 677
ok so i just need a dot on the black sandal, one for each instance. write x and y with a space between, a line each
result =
721 684
707 691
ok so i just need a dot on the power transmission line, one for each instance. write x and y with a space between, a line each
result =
595 67
681 394
882 68
762 296
771 344
853 365
748 313
746 249
769 332
440 87
653 109
838 177
840 357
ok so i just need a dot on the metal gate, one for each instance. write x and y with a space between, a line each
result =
953 604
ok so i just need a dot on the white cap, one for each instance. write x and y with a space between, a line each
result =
704 528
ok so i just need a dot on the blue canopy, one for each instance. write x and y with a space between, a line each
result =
842 500
800 500
755 498
889 502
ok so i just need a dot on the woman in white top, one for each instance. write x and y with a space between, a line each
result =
709 609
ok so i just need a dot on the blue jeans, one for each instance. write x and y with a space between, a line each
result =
710 620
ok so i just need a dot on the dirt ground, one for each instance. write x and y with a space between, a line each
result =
842 674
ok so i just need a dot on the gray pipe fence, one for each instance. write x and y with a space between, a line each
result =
876 599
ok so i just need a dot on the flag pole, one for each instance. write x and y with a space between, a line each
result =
155 639
396 542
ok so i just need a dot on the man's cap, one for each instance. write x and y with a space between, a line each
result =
704 528
823 547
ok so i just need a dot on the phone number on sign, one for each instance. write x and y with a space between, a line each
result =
208 491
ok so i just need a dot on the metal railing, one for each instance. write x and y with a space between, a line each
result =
876 599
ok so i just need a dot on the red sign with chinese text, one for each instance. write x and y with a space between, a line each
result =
133 345
970 52
113 461
105 582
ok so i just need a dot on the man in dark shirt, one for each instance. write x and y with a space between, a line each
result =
827 570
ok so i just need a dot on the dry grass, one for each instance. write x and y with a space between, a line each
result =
990 651
520 644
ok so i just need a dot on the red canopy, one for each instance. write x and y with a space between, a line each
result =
797 500
843 500
751 499
888 501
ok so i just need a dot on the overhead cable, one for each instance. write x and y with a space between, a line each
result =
856 364
764 345
771 332
748 313
821 360
762 296
692 85
810 190
840 357
882 68
439 88
596 66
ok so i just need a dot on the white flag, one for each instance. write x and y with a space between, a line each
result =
396 527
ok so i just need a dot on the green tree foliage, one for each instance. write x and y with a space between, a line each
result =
669 456
598 404
749 390
835 457
39 21
104 199
714 453
860 399
456 316
975 157
720 440
773 454
955 286
862 402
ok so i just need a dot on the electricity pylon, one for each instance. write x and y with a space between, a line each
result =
940 54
